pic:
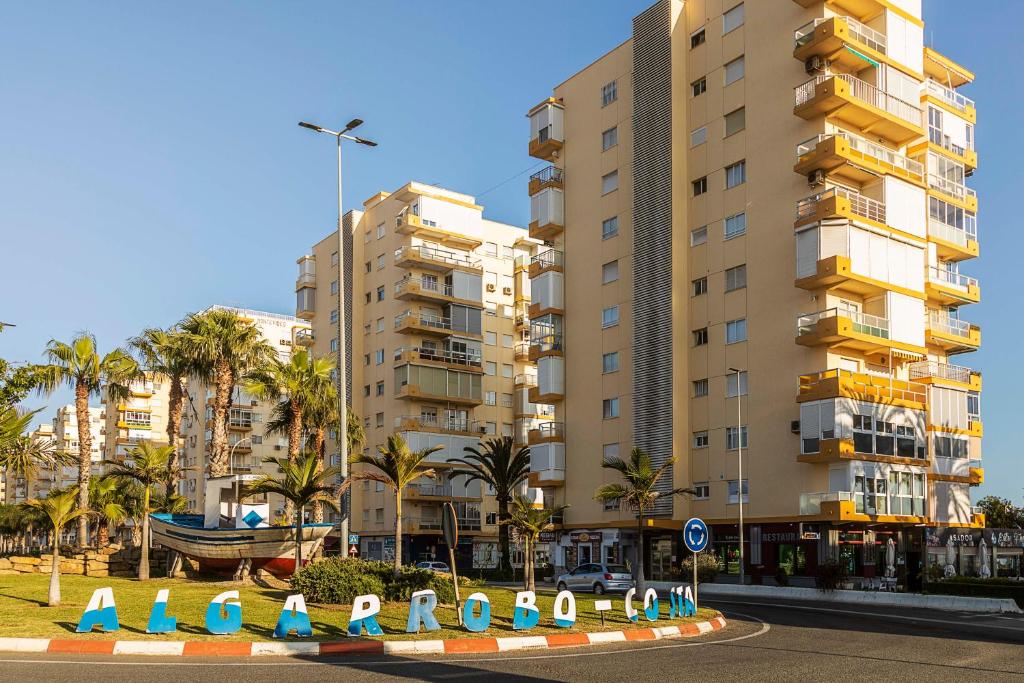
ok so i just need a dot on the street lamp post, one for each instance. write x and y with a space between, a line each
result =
342 346
739 448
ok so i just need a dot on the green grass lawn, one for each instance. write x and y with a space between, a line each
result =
24 614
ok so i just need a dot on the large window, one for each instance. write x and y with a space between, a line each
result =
734 437
698 136
735 225
609 139
734 70
700 388
736 174
609 93
699 86
610 408
734 491
698 236
609 272
735 384
736 331
610 316
736 278
610 182
732 19
610 362
609 227
735 121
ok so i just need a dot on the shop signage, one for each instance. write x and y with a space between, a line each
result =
809 532
547 537
778 537
224 613
1004 538
937 537
585 537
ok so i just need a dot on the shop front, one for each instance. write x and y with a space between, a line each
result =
955 551
585 546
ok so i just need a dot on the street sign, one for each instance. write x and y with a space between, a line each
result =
695 534
353 550
353 539
449 525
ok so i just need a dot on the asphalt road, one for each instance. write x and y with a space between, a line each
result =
765 640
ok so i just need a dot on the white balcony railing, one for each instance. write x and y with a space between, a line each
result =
447 424
871 209
858 31
470 358
551 430
866 148
948 95
450 258
951 279
426 319
950 187
864 323
950 233
426 285
547 259
952 326
865 92
931 368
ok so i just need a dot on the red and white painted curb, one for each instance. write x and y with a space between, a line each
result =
208 648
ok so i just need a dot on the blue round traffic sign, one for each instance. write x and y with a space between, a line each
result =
695 534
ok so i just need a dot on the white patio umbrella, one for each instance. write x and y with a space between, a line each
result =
950 558
983 570
890 558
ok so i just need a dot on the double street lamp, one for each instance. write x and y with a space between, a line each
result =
342 346
739 448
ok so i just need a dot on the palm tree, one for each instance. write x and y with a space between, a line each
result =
13 424
530 521
397 466
22 456
503 468
79 366
162 353
60 508
300 483
222 348
105 501
639 493
147 465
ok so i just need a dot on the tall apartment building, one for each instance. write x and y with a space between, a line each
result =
142 416
755 219
248 441
14 489
438 316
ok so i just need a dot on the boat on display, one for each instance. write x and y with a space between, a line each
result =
234 536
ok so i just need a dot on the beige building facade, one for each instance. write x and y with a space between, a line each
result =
438 311
754 221
142 416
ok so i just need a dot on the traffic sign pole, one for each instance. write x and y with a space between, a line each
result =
695 584
695 536
450 530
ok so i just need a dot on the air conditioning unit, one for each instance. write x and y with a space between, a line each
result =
794 426
491 288
815 65
506 290
816 178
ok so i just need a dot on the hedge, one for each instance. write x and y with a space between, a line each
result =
979 588
339 580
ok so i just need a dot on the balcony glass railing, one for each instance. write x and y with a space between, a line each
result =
469 358
865 148
950 187
426 319
863 323
951 279
547 259
548 174
547 342
522 349
871 209
942 322
865 92
451 258
810 503
551 430
932 368
525 380
858 31
444 424
426 284
869 385
948 95
950 233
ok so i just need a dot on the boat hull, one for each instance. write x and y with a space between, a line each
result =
220 550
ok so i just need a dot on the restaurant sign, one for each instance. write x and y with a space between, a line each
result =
1001 538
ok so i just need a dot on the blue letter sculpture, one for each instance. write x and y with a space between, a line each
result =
293 617
686 605
651 604
565 616
526 615
228 621
365 609
99 612
474 623
628 600
159 622
421 610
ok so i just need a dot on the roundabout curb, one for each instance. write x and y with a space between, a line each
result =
206 648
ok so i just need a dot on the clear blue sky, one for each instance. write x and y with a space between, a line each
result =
150 162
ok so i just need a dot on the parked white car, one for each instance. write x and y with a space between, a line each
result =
440 567
598 578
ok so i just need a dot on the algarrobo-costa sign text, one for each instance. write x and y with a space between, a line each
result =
224 613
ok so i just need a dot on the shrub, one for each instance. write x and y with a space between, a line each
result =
339 580
979 588
707 568
410 580
781 577
831 575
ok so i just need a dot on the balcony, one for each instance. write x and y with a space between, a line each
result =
551 259
850 506
431 491
545 345
304 337
412 288
549 176
524 380
945 70
864 10
522 351
949 99
975 473
547 463
839 202
459 360
539 399
935 372
858 104
522 312
950 334
951 190
442 425
828 37
430 258
547 432
422 323
862 387
546 136
239 420
836 272
854 159
408 223
547 214
953 243
844 329
951 289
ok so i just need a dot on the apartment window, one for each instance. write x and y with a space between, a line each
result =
366 390
698 236
700 439
698 136
491 398
380 419
736 331
700 337
334 287
507 341
369 297
378 357
735 121
700 186
736 174
735 387
366 359
380 324
334 345
369 266
491 307
380 293
609 93
610 182
334 258
732 19
700 388
734 70
734 491
700 286
733 437
380 262
610 362
380 230
490 368
735 225
610 316
366 237
380 388
735 278
703 490
610 408
334 316
609 272
491 248
699 86
506 370
609 139
697 38
609 227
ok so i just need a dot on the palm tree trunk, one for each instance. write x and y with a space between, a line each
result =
640 587
504 547
53 599
84 459
103 533
223 381
294 446
319 449
298 540
144 557
398 531
175 408
531 582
